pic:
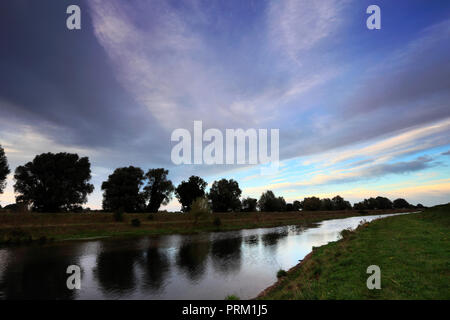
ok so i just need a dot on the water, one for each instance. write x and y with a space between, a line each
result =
204 266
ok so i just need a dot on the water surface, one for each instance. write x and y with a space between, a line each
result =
204 266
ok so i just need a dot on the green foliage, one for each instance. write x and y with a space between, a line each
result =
200 209
400 204
296 205
224 196
54 182
340 204
232 297
373 203
122 190
136 222
4 169
326 204
188 191
158 189
281 273
269 203
311 204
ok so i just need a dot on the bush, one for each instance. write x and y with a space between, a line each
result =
136 223
151 217
200 208
118 215
217 222
232 297
281 273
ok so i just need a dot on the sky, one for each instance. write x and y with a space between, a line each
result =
360 112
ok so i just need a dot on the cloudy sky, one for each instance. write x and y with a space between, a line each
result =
361 112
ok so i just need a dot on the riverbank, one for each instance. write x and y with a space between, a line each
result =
42 227
412 251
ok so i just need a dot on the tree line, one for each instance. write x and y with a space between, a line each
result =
60 183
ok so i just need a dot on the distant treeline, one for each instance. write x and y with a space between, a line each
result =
60 183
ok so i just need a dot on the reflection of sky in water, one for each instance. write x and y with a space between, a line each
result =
203 266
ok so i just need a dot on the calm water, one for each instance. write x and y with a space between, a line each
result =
204 266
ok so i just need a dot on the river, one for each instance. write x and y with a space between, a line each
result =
202 266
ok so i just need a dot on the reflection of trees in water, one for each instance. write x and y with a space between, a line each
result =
115 268
156 266
251 240
191 258
271 239
226 254
38 273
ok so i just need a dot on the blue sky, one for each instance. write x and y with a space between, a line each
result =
361 112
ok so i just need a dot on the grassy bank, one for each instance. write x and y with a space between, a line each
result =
412 251
25 227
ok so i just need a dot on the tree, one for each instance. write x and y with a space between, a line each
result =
224 195
269 203
122 190
188 191
340 204
158 189
296 205
400 204
4 169
359 206
249 204
383 203
54 182
311 204
326 204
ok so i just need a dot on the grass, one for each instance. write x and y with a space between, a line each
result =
72 226
412 251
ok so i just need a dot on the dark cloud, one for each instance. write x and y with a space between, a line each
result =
447 153
399 167
60 81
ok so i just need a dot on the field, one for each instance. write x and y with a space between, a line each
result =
26 227
412 251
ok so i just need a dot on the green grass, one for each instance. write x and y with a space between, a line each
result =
412 251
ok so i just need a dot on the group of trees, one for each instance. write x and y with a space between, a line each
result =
60 182
314 204
383 203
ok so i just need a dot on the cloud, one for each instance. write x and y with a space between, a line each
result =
298 25
350 175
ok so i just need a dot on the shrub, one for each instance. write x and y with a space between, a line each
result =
136 223
232 297
200 208
281 273
151 216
